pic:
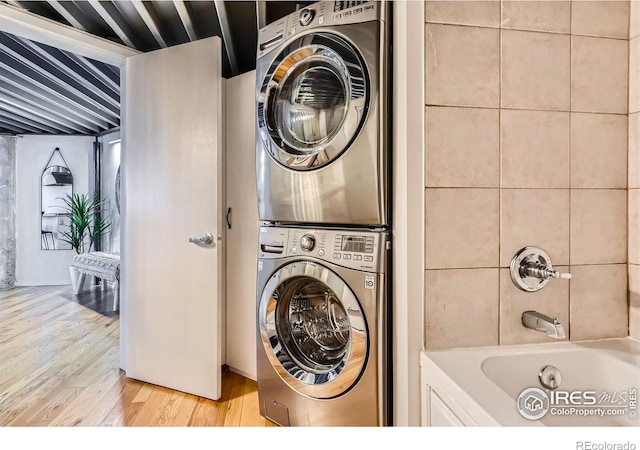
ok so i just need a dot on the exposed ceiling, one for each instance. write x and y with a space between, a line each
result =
45 90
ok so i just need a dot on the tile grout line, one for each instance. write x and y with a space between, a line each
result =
570 162
436 269
500 182
530 188
629 39
512 108
524 30
425 296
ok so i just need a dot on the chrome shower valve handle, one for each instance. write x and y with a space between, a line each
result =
531 269
543 272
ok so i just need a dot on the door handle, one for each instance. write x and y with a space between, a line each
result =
229 218
206 239
269 110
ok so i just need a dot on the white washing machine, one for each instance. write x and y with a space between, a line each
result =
322 327
322 154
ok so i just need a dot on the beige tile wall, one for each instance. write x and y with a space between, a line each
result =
527 143
634 171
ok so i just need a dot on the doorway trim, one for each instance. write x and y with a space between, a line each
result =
39 29
409 206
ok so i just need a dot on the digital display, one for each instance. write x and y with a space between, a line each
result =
357 244
342 5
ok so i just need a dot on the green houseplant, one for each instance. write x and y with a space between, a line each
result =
84 224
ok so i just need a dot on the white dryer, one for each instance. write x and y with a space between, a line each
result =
322 154
322 327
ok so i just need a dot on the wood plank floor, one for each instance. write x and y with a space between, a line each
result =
59 367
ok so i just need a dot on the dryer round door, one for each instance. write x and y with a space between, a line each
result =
313 101
313 330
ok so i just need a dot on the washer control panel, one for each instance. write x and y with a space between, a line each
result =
356 249
319 14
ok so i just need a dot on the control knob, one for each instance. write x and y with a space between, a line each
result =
306 16
308 242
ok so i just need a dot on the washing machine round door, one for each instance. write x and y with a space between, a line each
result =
313 101
313 330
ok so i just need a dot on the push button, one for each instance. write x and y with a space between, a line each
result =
346 256
357 257
368 258
336 255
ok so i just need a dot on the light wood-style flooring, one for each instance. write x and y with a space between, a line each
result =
59 367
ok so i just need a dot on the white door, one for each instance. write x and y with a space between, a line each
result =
172 303
242 237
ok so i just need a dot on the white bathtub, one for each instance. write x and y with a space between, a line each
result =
480 386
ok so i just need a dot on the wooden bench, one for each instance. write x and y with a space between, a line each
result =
105 266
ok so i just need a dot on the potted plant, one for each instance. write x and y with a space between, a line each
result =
85 225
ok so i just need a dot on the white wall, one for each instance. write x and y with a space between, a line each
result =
34 266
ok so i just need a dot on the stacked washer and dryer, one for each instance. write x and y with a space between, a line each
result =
323 194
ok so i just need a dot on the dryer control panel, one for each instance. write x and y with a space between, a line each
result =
356 249
319 14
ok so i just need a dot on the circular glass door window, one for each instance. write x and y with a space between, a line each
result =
313 101
313 330
311 105
312 324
